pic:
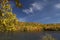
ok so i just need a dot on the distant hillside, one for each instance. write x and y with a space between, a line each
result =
31 27
36 27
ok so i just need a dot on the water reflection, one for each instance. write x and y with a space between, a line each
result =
28 35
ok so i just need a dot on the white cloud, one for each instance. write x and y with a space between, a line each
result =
22 19
45 0
57 5
57 22
27 11
58 14
36 6
46 18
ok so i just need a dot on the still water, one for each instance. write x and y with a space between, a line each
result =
28 35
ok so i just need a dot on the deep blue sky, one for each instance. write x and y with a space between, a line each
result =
40 11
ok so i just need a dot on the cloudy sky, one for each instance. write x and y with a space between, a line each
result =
40 11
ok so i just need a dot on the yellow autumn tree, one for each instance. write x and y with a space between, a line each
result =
8 20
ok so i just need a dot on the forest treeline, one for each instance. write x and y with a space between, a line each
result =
36 27
32 27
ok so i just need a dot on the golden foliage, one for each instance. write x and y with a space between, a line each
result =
8 20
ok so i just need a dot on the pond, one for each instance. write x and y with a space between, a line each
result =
28 35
